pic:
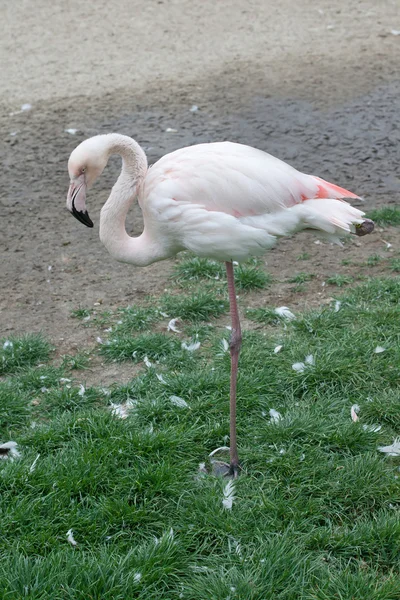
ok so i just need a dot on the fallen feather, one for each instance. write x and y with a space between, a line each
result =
14 133
26 106
71 131
8 451
277 349
172 326
122 410
171 130
275 415
161 378
229 496
137 577
7 344
395 31
33 465
225 345
99 340
70 538
393 449
163 314
285 313
309 360
194 108
337 305
177 401
190 347
202 468
379 349
147 362
234 546
81 390
372 428
353 412
299 367
44 390
220 449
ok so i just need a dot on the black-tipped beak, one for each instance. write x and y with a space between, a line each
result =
83 217
76 200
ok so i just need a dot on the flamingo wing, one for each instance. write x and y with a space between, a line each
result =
234 179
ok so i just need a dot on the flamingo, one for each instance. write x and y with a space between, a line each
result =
223 201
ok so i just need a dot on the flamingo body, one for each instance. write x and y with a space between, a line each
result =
229 201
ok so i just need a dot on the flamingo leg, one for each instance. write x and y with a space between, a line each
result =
235 343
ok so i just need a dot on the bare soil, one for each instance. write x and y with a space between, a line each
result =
316 84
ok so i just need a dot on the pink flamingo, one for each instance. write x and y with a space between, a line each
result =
223 201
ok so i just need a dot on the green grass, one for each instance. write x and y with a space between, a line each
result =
394 265
301 277
248 277
80 360
27 350
374 259
316 509
387 215
198 306
196 269
339 280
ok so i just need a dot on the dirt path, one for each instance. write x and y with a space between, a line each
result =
316 84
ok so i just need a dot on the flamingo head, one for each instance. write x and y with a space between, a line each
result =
85 165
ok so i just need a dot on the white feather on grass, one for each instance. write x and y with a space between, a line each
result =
172 326
309 360
180 402
379 350
285 313
372 428
277 349
299 367
147 362
220 449
190 347
225 345
275 416
33 465
393 449
161 378
7 344
70 538
81 390
353 412
338 304
229 495
122 410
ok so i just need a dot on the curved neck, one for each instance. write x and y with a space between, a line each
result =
138 251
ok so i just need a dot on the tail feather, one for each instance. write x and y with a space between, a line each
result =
330 190
334 217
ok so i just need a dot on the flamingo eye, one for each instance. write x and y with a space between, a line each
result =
83 169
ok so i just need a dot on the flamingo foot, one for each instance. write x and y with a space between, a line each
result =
221 468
